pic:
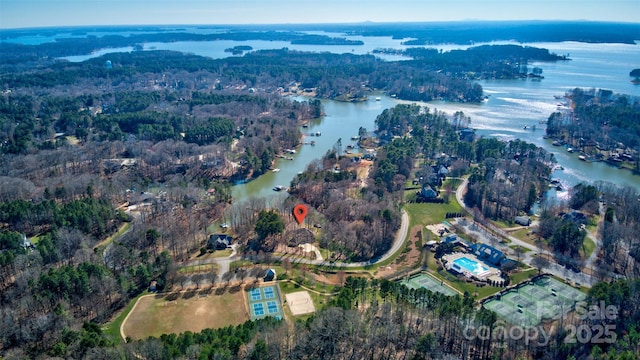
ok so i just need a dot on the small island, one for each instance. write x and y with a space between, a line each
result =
238 50
635 74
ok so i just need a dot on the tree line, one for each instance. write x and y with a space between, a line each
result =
383 319
601 124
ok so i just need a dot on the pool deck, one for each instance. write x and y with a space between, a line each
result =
491 273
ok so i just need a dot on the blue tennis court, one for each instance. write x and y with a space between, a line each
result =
258 309
268 293
255 295
264 302
272 307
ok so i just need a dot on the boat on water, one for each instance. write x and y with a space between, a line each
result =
378 98
355 137
278 188
570 150
582 157
276 170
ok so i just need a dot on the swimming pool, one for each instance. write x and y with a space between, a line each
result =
472 266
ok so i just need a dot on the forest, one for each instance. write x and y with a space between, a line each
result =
602 125
78 46
509 179
487 31
166 134
379 319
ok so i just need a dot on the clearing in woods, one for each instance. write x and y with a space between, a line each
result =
155 315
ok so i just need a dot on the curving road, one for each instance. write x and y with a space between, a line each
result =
398 241
401 236
553 268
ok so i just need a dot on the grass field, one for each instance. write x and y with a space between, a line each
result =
320 301
587 247
112 328
429 213
188 269
155 315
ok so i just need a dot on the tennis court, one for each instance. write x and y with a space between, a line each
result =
428 282
543 299
263 302
258 309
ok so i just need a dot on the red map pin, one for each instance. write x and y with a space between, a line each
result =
300 212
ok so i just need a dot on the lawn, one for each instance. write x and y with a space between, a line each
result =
188 269
319 301
587 247
523 234
155 315
522 248
476 291
522 276
112 328
430 213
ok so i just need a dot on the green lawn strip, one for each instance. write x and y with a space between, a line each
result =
521 276
463 286
453 183
587 247
296 274
112 328
118 233
501 224
236 264
522 248
430 213
187 269
582 288
221 253
319 301
35 239
431 262
522 235
214 228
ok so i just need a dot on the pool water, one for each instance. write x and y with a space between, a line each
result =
470 265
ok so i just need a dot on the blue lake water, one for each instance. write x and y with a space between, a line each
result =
512 104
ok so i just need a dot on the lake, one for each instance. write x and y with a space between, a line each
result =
512 104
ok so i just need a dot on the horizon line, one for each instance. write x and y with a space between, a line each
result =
366 22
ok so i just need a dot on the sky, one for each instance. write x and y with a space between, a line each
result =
46 13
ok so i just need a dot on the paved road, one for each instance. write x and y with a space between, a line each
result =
401 235
485 235
399 239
